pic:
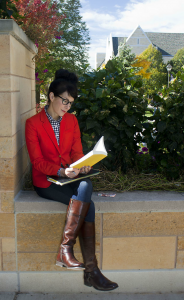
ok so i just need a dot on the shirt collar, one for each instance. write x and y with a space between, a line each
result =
49 116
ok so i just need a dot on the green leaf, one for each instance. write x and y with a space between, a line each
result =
111 81
128 132
121 126
125 108
100 75
116 85
105 112
128 87
179 137
84 91
113 138
114 121
130 120
164 163
99 92
146 125
161 126
119 102
132 94
111 66
94 108
172 146
84 112
90 123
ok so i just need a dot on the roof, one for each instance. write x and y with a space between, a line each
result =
117 42
167 43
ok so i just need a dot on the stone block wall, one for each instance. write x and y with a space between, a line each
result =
38 240
139 243
17 103
124 241
149 240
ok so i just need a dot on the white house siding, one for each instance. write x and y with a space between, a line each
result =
167 58
137 32
109 49
138 41
100 57
144 41
138 49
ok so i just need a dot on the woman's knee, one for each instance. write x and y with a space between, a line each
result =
84 191
86 185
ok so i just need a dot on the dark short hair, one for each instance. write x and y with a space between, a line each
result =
64 81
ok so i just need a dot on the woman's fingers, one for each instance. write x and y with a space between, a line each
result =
85 169
88 168
71 172
82 170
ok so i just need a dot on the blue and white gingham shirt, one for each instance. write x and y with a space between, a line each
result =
55 124
56 127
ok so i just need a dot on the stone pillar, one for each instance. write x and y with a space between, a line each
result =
17 103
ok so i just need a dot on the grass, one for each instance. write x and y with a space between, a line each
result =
132 181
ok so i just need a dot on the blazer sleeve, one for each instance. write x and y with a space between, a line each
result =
76 150
37 159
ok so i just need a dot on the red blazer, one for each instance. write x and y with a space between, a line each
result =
45 154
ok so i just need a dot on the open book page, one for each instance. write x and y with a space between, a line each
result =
94 156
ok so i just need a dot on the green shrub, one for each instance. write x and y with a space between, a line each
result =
111 103
164 133
145 163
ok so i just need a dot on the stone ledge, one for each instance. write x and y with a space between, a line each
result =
11 27
8 282
137 201
147 281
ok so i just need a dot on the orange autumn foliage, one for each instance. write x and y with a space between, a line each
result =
144 65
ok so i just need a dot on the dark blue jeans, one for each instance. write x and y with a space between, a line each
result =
79 190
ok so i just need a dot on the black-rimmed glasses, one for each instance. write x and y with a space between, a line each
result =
65 101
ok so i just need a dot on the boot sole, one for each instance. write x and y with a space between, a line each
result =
87 284
105 290
62 265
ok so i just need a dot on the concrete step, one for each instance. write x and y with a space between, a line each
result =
100 296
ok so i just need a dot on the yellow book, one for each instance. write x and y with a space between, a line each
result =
94 156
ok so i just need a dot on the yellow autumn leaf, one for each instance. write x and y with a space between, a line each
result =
144 65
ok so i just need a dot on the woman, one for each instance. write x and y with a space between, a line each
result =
54 142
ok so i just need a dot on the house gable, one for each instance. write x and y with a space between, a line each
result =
138 41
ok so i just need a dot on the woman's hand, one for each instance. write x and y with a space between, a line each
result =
69 172
85 170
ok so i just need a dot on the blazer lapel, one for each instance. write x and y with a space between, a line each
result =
48 128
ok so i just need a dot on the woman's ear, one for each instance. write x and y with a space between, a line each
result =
51 96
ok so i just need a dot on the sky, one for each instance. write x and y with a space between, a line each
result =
121 17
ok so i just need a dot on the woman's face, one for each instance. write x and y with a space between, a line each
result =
57 108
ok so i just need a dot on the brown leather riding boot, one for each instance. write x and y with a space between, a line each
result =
76 213
92 275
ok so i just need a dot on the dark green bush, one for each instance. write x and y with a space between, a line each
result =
145 163
164 133
111 103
